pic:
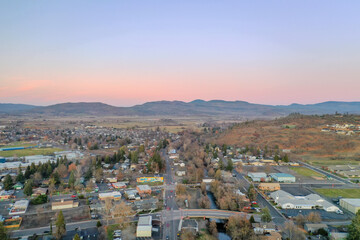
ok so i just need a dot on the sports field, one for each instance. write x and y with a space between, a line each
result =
334 193
306 172
29 152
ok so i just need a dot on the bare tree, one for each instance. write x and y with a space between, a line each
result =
314 217
292 231
213 228
122 211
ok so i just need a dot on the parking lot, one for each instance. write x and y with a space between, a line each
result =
325 216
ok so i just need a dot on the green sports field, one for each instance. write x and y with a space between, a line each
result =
334 193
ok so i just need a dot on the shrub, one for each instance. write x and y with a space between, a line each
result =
39 200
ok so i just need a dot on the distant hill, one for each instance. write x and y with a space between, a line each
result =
179 108
13 108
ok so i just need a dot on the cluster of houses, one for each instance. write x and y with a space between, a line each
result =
342 129
180 167
277 177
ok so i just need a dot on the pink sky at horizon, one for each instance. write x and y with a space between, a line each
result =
125 53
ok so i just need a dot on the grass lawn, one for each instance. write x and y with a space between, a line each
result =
306 172
110 230
18 144
334 193
29 152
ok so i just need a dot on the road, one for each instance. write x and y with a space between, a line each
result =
278 218
171 223
41 230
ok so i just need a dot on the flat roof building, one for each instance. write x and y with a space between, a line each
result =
19 207
144 227
312 201
350 204
64 204
283 177
112 195
258 176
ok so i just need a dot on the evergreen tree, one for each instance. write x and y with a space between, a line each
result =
72 179
20 177
285 158
3 233
252 219
98 224
28 188
60 226
134 157
229 166
265 215
8 182
252 193
76 237
276 158
354 228
27 172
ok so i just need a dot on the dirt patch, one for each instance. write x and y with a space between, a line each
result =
192 195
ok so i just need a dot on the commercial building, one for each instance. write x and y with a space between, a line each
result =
269 186
258 177
118 185
143 189
64 204
150 179
111 195
350 204
283 177
19 207
144 227
338 236
312 201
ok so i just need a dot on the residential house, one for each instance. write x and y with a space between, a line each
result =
314 227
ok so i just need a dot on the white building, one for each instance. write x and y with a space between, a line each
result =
312 201
19 207
144 227
350 204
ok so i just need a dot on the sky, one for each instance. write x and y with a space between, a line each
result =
130 52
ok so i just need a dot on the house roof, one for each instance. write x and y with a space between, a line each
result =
282 197
144 187
145 221
281 175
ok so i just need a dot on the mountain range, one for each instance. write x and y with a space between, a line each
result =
179 108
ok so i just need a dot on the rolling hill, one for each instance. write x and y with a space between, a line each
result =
179 108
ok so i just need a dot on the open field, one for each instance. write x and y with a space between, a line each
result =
29 152
337 192
18 144
306 172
